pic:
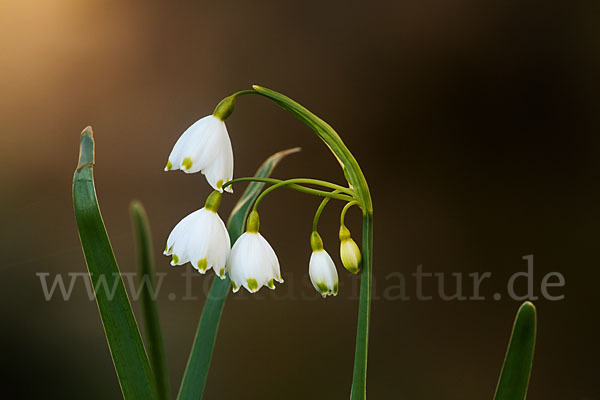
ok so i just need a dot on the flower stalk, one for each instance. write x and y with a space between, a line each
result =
295 184
320 211
358 183
359 377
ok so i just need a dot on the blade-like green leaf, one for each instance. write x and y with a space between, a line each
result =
514 377
153 334
194 378
124 340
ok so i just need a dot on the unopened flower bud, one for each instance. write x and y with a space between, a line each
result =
349 251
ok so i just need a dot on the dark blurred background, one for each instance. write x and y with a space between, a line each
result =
475 123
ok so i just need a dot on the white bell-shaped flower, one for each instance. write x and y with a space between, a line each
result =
252 262
205 147
201 239
321 268
323 273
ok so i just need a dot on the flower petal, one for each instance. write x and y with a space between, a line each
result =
220 170
323 273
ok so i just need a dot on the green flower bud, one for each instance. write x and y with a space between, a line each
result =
213 202
349 251
224 108
316 243
253 222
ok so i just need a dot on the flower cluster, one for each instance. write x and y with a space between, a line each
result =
202 239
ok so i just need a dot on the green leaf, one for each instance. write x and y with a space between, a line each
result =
147 285
124 340
514 377
194 378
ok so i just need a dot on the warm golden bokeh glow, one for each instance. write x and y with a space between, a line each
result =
474 122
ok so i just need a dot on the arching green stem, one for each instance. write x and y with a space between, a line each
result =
225 106
320 211
305 181
297 187
242 92
330 137
345 210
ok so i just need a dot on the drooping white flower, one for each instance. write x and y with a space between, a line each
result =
323 273
205 147
321 268
349 251
201 239
252 262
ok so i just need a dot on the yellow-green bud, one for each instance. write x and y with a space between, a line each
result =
213 201
224 108
316 243
349 251
253 222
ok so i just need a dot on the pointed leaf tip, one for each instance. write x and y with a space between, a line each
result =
516 370
88 130
528 304
86 149
286 152
135 206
